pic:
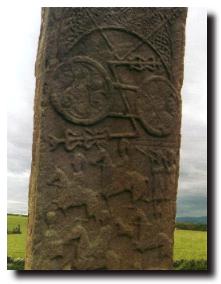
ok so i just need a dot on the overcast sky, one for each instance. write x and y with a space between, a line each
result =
192 192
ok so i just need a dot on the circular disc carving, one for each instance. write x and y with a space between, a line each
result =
157 105
82 92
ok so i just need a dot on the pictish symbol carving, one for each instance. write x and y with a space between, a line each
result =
157 105
90 100
83 94
84 138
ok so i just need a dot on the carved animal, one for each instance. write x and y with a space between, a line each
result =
91 254
130 181
116 180
76 196
124 229
161 241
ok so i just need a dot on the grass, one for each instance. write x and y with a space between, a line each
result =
16 242
190 246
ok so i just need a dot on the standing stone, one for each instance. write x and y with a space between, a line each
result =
106 145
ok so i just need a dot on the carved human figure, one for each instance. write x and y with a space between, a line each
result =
145 231
58 179
158 171
104 162
79 164
171 171
163 171
124 148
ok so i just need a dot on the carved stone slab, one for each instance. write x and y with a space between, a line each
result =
106 139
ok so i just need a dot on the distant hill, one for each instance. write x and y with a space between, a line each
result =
192 220
17 214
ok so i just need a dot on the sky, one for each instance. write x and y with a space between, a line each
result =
192 190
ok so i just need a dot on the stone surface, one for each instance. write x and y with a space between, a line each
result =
106 139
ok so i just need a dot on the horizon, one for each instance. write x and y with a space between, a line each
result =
26 214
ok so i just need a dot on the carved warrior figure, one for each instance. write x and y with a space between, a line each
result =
106 139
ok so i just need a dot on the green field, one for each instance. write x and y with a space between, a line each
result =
16 243
189 245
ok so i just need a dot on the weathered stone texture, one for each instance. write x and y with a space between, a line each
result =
106 139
